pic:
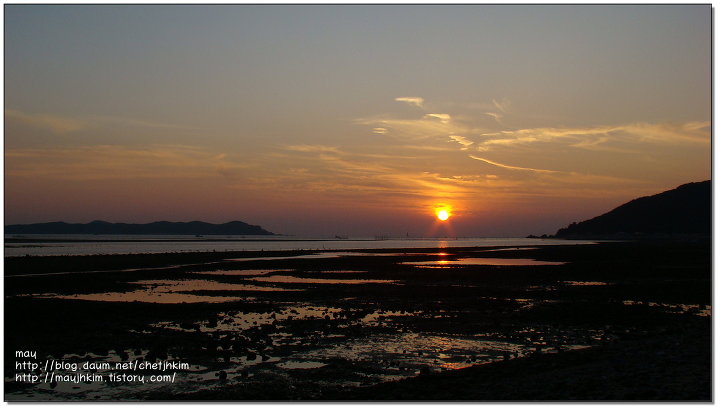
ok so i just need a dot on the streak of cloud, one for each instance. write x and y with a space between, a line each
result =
560 180
430 148
59 124
112 162
412 129
416 101
599 138
444 118
136 123
495 115
497 164
462 141
503 105
692 132
428 134
312 148
53 123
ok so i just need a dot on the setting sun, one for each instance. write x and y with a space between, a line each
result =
442 214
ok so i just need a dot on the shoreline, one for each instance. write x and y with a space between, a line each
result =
85 263
169 245
374 316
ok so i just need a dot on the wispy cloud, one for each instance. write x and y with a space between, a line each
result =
503 105
53 123
416 101
601 138
497 164
462 141
691 132
131 122
413 129
111 162
63 124
444 118
429 148
495 115
565 150
312 148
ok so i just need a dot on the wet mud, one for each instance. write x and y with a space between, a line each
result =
380 325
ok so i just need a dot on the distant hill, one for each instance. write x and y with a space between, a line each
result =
154 228
686 209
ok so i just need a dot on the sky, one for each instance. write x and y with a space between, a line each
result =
352 120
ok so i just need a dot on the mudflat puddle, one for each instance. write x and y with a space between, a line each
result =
294 279
368 360
264 272
323 255
337 346
411 353
698 310
481 261
509 249
584 283
170 291
291 364
236 272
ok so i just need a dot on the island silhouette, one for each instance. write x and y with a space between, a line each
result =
153 228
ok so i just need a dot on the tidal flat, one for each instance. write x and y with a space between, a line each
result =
617 321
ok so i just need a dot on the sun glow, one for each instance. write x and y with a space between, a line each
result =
442 214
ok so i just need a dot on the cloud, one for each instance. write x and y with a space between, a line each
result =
416 101
380 130
572 151
312 148
444 118
338 175
696 125
462 141
131 122
341 178
65 124
503 105
56 124
691 132
426 148
413 129
602 144
548 183
633 136
495 115
497 164
112 162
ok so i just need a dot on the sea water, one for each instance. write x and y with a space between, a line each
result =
46 245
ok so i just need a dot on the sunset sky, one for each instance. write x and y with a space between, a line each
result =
352 120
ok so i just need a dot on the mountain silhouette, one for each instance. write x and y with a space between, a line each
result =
686 209
154 228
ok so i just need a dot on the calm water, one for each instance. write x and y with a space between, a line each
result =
21 245
481 261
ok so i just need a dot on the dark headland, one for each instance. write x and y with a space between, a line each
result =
683 211
154 228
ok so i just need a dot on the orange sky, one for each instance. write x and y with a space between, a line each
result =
357 120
